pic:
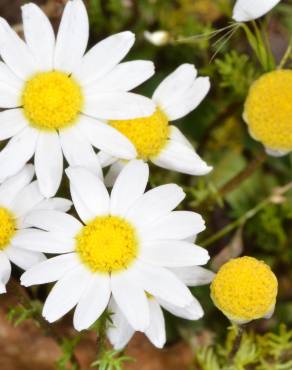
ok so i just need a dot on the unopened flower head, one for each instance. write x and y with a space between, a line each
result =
18 197
57 94
245 289
268 111
125 243
247 10
154 138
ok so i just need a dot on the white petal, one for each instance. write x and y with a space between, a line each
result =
26 199
23 258
113 173
78 151
129 186
17 152
5 271
54 221
11 187
50 270
8 96
12 122
82 210
156 330
49 163
59 204
131 300
161 283
175 225
120 332
66 293
42 241
177 135
188 101
105 159
15 52
154 204
90 189
118 105
103 57
179 157
247 10
104 137
7 77
92 302
175 84
39 35
124 77
173 253
193 275
72 36
193 311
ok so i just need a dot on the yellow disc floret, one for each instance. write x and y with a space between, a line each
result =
148 134
51 100
107 244
245 289
7 227
268 110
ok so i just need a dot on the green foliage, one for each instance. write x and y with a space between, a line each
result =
112 360
271 351
67 359
236 72
20 313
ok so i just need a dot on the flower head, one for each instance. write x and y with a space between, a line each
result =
247 10
154 138
57 95
245 289
18 197
268 111
124 247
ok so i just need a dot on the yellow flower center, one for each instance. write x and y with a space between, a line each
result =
244 289
148 134
268 110
51 100
7 227
107 244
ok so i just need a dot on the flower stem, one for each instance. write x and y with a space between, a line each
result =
236 344
272 198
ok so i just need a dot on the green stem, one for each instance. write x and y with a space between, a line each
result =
286 56
278 192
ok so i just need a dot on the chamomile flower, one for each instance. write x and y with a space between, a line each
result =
57 96
120 331
123 248
247 10
18 197
268 111
245 289
154 138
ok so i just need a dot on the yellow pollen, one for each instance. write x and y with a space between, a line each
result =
244 289
107 244
148 134
51 100
7 227
268 110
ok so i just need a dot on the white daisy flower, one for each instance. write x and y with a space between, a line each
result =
247 10
157 141
120 332
18 197
123 248
54 92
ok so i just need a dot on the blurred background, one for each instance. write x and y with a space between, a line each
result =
235 197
